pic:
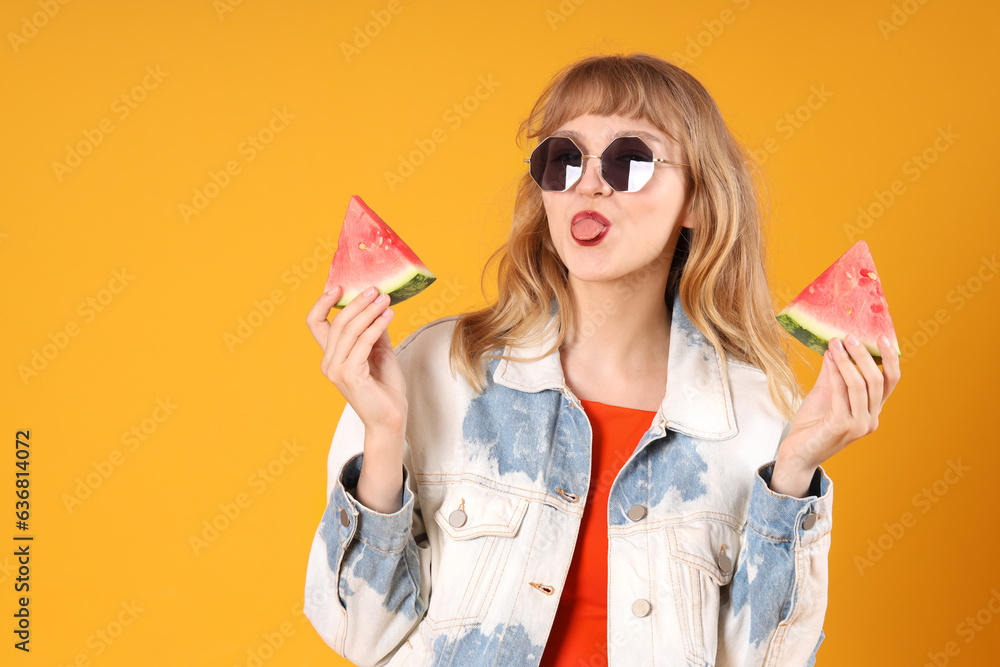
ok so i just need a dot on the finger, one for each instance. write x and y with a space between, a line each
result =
349 338
890 367
856 389
823 379
840 407
383 341
342 321
874 382
369 338
316 320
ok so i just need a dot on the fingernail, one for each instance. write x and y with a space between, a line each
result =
369 291
332 290
836 344
851 340
884 340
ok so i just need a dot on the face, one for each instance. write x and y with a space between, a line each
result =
635 230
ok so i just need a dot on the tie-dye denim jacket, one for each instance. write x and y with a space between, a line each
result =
706 565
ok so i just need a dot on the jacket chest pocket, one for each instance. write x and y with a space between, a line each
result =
702 560
478 526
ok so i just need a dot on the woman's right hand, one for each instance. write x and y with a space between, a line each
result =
358 358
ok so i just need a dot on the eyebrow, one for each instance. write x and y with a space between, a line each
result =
646 136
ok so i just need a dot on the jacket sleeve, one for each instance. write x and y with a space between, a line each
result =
779 590
368 575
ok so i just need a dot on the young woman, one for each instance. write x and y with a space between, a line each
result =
588 471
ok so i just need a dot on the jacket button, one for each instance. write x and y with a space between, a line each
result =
636 513
641 607
571 497
809 521
345 521
457 518
725 563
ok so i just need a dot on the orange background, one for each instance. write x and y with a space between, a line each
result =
869 87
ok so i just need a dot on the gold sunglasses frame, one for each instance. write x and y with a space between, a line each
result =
583 162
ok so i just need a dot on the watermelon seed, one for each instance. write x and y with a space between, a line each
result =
872 275
848 310
362 246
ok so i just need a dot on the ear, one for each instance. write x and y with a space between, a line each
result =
686 218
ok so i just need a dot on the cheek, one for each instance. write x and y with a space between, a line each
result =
664 203
549 205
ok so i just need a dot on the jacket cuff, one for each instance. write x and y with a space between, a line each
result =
785 518
385 532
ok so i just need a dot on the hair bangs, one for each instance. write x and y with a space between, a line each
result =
605 87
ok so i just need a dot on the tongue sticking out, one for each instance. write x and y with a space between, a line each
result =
587 229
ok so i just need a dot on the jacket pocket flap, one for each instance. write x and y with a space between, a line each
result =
708 545
471 510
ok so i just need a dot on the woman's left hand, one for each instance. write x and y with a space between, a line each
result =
843 406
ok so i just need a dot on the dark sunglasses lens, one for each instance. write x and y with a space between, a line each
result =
556 164
627 164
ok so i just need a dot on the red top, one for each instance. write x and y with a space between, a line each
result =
579 634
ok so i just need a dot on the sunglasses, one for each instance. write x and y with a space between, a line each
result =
626 164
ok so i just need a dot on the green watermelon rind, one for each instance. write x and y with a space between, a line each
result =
816 335
401 287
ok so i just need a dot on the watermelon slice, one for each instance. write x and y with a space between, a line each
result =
846 298
370 253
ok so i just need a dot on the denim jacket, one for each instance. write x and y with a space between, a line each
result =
706 565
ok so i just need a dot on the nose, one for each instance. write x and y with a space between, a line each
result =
591 182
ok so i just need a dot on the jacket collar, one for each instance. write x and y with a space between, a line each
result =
697 401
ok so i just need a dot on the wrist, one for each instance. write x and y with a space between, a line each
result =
791 477
380 481
380 489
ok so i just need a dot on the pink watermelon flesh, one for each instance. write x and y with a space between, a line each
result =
846 298
370 253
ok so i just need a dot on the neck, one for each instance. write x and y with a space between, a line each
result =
622 326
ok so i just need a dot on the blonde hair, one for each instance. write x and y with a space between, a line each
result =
717 266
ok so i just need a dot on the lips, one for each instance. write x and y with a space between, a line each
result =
589 227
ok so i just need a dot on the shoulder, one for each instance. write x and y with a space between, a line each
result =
753 405
746 376
430 337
